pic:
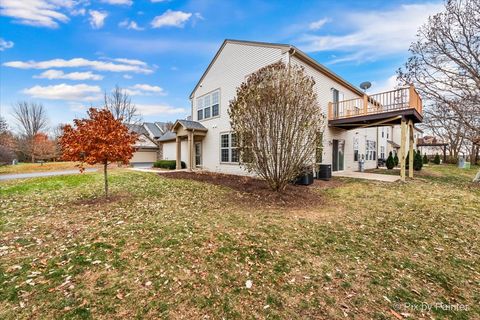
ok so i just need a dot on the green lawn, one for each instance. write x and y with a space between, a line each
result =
167 248
39 167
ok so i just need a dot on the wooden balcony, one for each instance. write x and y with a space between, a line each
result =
385 108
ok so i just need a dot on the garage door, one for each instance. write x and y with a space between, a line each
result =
146 158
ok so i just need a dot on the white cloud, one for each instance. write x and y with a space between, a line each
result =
139 67
133 62
157 1
318 24
64 91
40 13
145 89
127 76
158 109
171 19
78 12
120 2
388 84
4 44
130 25
374 34
58 74
97 18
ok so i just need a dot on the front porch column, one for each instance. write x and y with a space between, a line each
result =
403 137
179 153
190 151
410 155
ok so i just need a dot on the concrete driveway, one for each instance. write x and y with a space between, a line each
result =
42 174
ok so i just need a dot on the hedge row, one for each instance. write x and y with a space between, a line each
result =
168 164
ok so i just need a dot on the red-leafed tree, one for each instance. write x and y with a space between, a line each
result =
99 139
43 147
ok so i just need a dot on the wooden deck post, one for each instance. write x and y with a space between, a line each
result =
365 104
403 137
178 157
410 156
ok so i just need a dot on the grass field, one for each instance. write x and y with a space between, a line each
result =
171 248
38 167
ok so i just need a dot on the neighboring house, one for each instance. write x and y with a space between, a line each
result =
147 147
206 141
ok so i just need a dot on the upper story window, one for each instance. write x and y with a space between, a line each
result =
208 105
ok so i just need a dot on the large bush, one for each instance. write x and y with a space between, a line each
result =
395 160
277 122
436 160
390 162
417 161
168 164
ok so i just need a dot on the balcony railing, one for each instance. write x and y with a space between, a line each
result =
395 100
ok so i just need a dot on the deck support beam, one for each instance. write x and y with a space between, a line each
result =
410 144
403 138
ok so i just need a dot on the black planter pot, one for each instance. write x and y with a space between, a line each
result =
304 179
324 172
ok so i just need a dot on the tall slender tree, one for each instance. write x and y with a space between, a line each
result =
31 119
120 104
276 121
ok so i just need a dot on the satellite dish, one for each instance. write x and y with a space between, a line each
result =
365 85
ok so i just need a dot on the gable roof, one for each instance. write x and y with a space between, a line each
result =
167 136
137 128
293 51
154 131
163 126
189 125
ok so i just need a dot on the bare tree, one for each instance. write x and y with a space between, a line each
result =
445 63
443 122
121 106
445 60
276 122
31 120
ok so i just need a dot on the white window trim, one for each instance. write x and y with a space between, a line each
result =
211 105
229 148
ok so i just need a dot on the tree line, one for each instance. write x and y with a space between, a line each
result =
31 139
444 65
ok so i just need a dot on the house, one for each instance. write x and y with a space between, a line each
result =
147 149
355 120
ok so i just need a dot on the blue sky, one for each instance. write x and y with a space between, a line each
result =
66 53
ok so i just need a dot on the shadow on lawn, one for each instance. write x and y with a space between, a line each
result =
255 192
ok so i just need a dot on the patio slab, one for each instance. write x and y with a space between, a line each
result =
366 176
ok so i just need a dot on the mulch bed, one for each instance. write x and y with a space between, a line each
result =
253 191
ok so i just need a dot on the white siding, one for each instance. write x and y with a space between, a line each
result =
170 150
235 62
233 65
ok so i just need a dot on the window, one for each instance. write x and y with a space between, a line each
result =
208 106
228 148
382 152
355 149
383 133
371 150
